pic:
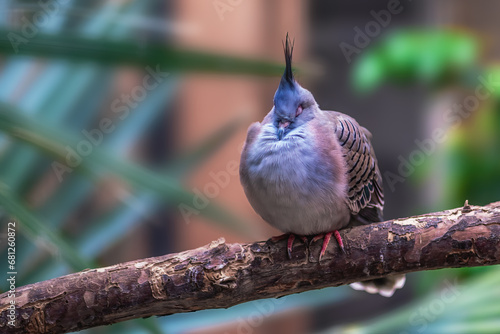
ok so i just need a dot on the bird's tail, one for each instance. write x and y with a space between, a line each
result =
384 286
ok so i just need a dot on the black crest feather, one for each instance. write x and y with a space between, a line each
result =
288 49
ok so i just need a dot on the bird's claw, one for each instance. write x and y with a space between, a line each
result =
291 239
339 240
326 240
289 247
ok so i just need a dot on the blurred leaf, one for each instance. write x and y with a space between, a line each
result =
471 306
468 160
433 57
103 233
104 18
110 51
369 73
492 72
35 229
106 231
182 165
151 324
54 142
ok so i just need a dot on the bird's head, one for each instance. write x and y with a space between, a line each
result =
293 104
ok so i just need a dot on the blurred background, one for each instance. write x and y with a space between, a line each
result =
122 122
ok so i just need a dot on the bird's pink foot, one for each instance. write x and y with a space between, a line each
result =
339 240
326 240
291 238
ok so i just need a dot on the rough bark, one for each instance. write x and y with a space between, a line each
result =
221 275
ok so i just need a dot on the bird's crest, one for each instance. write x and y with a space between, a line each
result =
288 49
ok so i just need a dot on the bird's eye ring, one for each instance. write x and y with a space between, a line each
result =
299 110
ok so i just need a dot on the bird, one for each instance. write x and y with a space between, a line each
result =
312 172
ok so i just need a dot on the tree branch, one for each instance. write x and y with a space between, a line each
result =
221 275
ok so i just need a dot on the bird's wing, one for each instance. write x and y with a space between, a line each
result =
365 193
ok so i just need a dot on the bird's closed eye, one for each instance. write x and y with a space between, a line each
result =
299 110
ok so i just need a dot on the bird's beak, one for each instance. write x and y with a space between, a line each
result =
281 128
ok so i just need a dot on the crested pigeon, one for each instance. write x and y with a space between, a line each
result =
308 171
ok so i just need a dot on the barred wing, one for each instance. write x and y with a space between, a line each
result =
365 193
